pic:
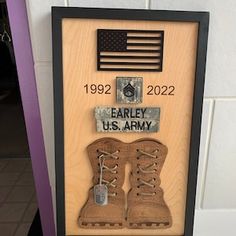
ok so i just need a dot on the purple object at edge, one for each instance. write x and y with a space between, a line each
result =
25 67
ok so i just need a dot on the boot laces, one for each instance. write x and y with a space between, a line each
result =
147 169
104 155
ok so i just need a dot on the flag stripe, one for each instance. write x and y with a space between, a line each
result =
131 57
142 41
143 38
129 54
128 60
144 44
143 35
128 63
133 31
142 50
131 67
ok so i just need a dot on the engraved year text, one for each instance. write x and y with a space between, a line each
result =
97 89
161 90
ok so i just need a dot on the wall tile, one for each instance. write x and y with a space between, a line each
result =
8 179
30 212
8 229
39 14
44 82
214 223
221 69
23 229
26 179
220 191
12 212
3 164
15 165
21 194
206 113
108 3
4 191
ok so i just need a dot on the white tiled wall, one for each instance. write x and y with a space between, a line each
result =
108 3
222 41
216 194
220 191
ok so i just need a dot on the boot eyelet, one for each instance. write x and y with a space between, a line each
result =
116 172
138 179
138 194
138 186
154 186
137 172
97 150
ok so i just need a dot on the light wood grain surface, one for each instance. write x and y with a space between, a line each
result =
79 68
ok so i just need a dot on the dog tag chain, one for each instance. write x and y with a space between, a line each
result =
101 190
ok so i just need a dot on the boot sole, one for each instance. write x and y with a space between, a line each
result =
149 225
101 225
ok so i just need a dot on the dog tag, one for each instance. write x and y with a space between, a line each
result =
100 194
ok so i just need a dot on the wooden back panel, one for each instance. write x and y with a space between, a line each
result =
79 68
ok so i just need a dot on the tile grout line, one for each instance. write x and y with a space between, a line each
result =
21 173
30 26
21 221
66 2
12 187
43 63
148 4
17 226
226 98
7 161
29 202
206 153
15 159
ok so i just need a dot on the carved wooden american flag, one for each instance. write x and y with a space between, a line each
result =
130 50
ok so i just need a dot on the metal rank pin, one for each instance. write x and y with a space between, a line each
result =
129 89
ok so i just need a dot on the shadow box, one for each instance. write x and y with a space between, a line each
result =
128 93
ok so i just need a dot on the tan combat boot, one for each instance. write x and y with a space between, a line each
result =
105 211
146 205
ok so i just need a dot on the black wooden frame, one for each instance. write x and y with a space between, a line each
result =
202 18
